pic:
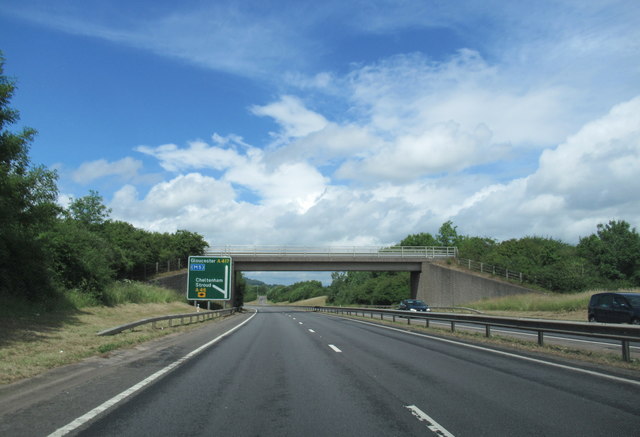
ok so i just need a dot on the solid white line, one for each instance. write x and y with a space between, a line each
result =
434 426
507 354
125 394
335 349
311 330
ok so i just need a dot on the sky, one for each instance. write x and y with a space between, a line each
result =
335 123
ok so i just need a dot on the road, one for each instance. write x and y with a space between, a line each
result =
293 373
571 341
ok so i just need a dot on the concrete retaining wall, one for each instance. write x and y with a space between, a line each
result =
442 286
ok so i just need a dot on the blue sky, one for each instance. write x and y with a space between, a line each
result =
336 123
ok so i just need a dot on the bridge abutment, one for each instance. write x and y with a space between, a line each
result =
440 285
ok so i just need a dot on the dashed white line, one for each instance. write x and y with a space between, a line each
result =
311 330
434 426
335 349
300 323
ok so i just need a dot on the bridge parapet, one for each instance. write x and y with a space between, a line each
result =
429 252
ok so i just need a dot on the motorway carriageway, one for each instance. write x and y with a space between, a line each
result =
285 372
572 341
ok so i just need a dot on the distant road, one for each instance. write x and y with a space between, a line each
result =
292 373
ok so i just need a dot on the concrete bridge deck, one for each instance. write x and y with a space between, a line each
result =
430 281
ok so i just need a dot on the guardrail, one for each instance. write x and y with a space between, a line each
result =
623 333
205 315
388 307
379 251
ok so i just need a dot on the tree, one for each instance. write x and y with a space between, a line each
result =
186 243
614 251
447 234
79 258
421 239
475 248
89 210
27 205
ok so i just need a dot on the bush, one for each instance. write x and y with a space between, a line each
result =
122 292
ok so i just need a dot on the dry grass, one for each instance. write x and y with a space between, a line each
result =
31 344
314 301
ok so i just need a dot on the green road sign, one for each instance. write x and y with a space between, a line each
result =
209 278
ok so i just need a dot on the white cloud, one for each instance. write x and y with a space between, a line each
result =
198 155
290 184
175 197
223 36
439 149
294 118
405 93
588 179
598 166
329 145
126 168
297 184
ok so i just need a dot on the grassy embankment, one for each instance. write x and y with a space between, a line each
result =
571 306
34 339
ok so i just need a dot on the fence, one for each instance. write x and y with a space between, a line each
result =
338 251
625 334
491 269
543 280
148 270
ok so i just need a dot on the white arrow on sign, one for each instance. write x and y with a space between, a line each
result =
226 283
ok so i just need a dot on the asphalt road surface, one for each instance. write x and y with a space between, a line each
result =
292 373
571 341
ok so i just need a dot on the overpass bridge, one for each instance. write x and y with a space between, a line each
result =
430 281
331 259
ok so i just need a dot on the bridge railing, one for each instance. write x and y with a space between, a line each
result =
353 251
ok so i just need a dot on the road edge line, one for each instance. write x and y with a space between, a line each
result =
75 424
499 352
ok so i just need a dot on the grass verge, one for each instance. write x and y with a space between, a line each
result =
32 342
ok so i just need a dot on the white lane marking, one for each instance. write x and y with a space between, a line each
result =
506 354
335 349
434 426
300 323
311 330
125 394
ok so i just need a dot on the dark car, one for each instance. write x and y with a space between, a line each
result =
615 307
413 305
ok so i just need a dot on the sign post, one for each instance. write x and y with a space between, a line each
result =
209 278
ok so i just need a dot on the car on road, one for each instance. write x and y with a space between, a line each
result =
615 308
413 305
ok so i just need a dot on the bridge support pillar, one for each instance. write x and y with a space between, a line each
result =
415 283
